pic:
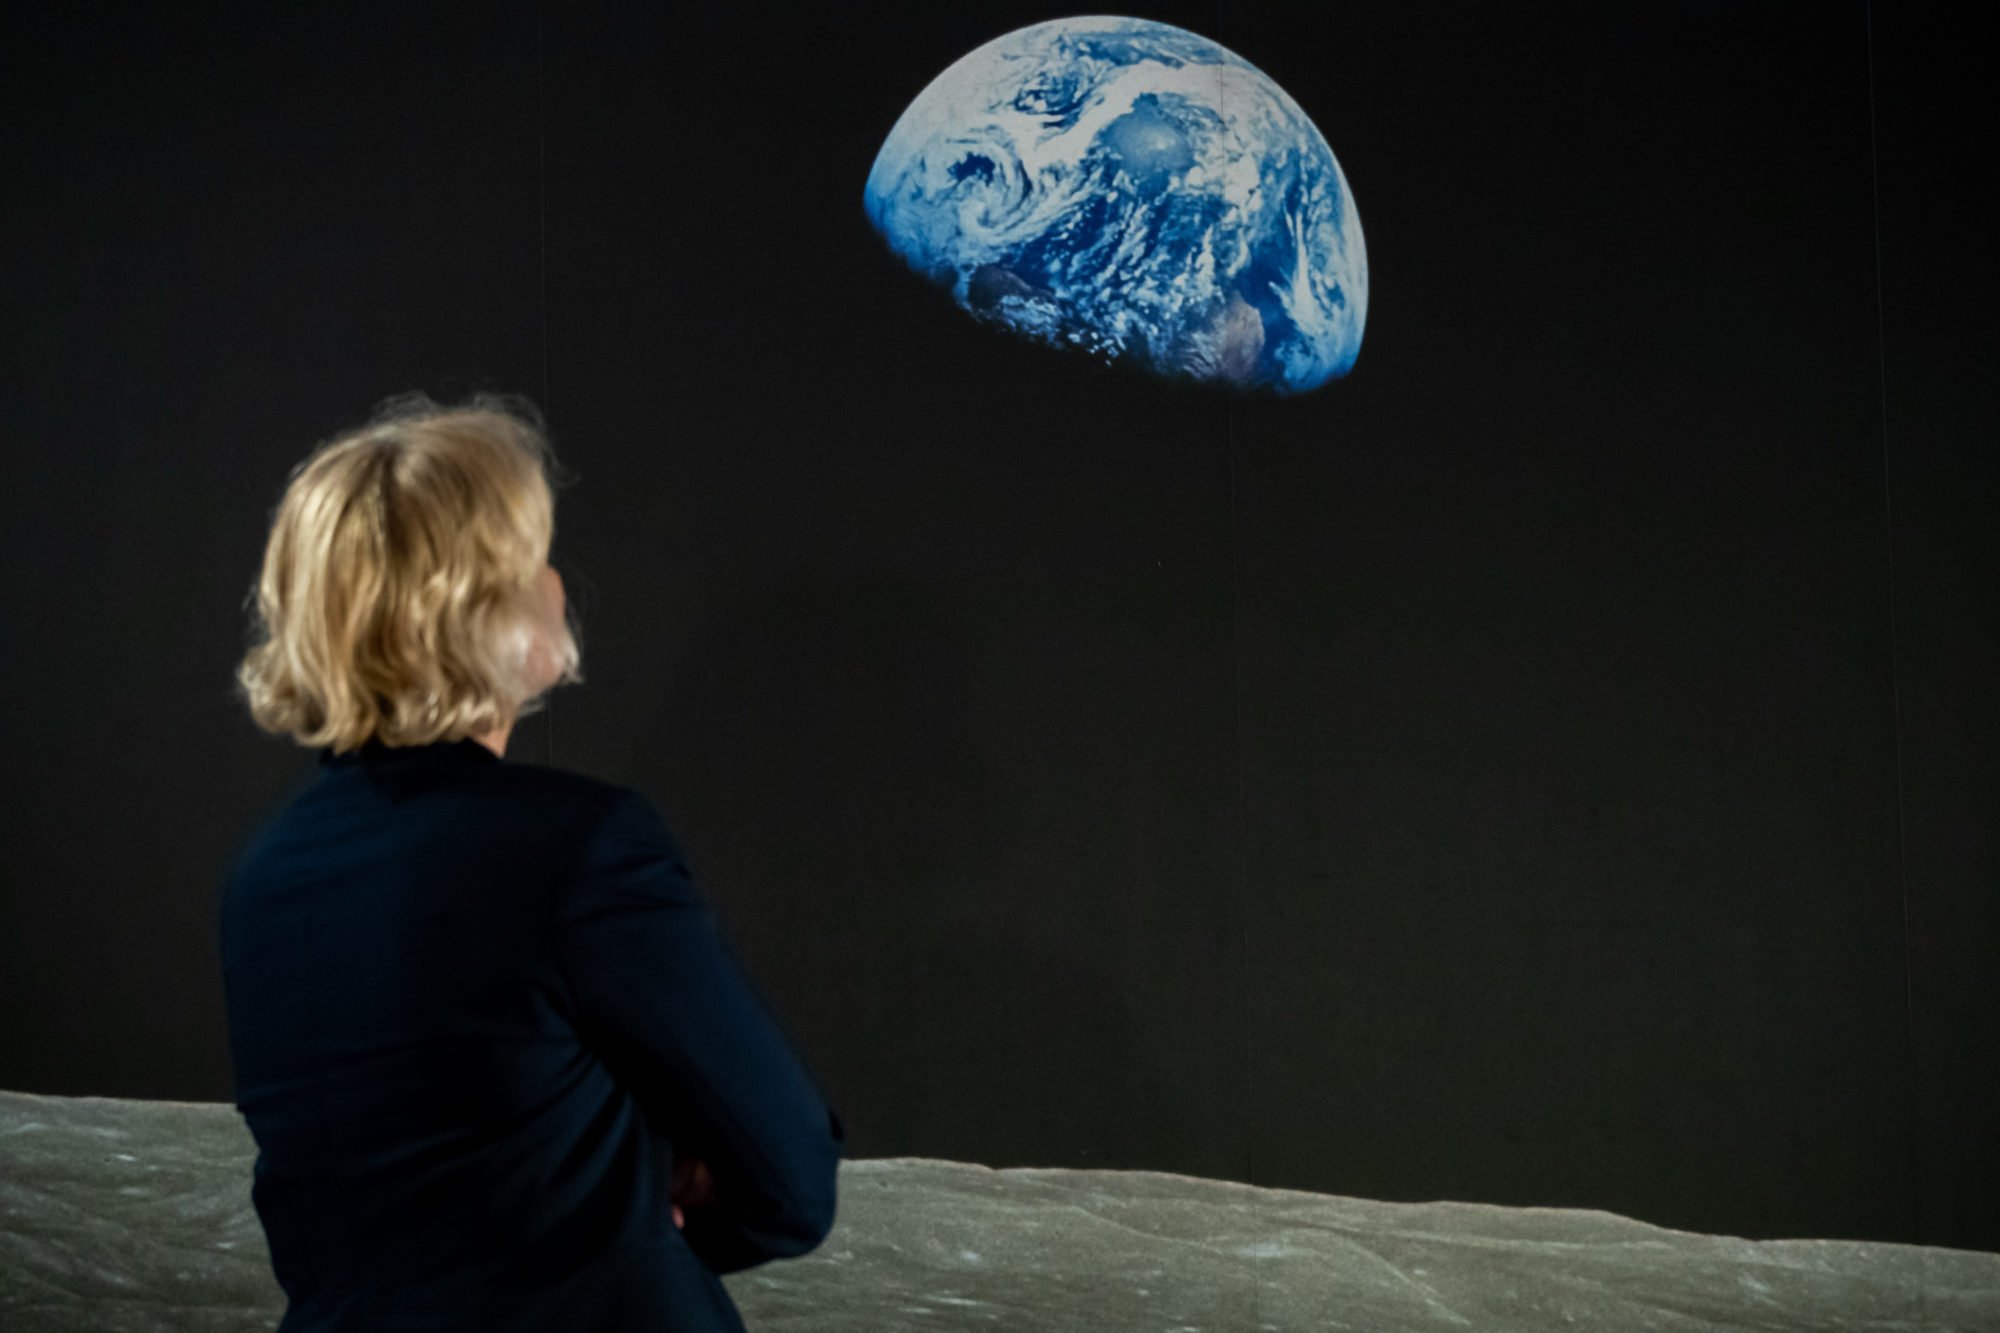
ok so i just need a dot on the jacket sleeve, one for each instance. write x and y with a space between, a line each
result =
663 998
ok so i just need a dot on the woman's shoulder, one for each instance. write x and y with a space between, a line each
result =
611 826
599 798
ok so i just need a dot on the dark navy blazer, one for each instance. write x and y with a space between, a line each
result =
476 1009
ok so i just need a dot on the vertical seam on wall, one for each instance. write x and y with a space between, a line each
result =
542 204
1242 812
1895 687
1249 1119
542 185
1236 692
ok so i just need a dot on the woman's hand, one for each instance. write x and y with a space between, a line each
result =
692 1185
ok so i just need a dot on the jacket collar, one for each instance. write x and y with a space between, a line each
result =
464 750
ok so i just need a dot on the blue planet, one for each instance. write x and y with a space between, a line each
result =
1135 191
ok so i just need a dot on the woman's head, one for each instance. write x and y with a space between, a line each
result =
405 592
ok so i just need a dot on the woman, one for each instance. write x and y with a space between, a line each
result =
502 1068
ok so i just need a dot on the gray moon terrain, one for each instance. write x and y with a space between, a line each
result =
123 1215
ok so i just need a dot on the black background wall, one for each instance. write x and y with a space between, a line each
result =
1551 766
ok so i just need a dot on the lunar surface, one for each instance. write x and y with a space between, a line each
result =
118 1216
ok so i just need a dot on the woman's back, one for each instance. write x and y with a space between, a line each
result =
477 1009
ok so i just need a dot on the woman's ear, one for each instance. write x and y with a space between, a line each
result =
547 661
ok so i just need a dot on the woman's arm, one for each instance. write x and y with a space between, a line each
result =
650 967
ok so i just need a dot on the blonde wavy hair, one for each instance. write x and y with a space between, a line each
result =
399 595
